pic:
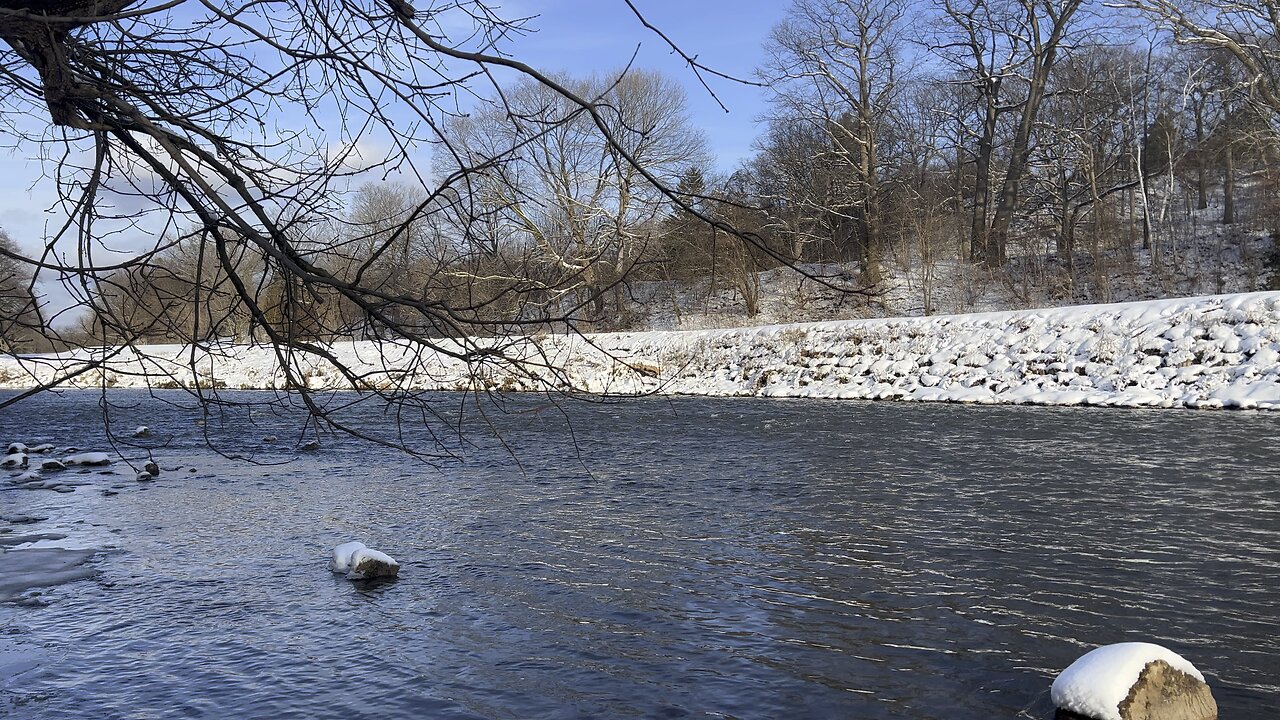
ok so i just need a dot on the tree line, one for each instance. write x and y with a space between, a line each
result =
1067 136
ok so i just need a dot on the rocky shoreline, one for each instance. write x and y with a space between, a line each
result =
1209 352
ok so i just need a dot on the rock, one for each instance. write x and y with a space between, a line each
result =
1166 693
1133 681
269 439
371 568
144 476
310 446
151 468
361 563
52 465
14 460
142 431
16 449
89 458
41 449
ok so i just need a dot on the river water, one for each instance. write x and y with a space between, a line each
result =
651 559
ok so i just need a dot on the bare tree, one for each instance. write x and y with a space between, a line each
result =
20 322
161 115
1006 51
560 183
834 65
1248 31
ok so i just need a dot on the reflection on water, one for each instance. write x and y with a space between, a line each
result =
685 558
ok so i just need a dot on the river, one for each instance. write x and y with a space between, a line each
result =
658 558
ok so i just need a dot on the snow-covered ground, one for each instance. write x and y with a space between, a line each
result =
1207 352
1212 260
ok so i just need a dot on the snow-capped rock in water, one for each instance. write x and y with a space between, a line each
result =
1133 681
269 439
89 458
310 446
14 460
144 476
51 465
362 563
142 431
16 448
151 468
41 449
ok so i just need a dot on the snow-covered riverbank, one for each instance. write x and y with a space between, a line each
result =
1209 352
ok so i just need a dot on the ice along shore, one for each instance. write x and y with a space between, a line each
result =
1206 352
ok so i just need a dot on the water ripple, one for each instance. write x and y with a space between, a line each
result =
721 558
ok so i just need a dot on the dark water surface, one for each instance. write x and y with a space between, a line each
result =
693 558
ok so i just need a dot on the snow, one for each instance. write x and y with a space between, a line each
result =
15 460
1100 680
1206 352
364 553
89 458
343 555
348 556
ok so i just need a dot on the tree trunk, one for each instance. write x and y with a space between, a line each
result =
1044 56
1202 191
979 239
1229 187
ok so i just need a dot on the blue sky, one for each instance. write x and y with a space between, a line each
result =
586 35
575 36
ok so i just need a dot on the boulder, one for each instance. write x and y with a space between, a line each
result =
16 448
14 460
52 465
144 476
89 458
371 565
1133 681
362 563
42 448
142 431
151 468
1166 693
